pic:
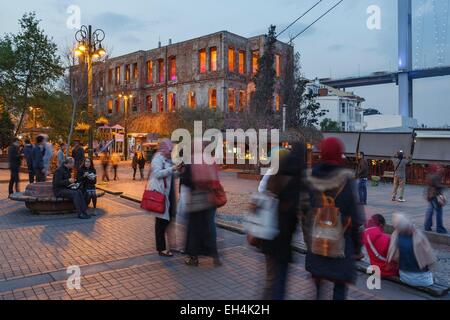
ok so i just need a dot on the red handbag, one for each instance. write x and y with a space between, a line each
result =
154 201
219 197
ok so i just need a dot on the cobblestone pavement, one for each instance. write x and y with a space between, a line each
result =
118 261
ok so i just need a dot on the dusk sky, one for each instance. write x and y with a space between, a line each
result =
339 45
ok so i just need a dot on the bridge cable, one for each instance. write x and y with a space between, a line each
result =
323 15
296 20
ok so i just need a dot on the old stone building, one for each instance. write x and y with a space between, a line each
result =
213 71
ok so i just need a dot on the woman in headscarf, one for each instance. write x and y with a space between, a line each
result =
377 246
161 179
413 252
330 180
286 185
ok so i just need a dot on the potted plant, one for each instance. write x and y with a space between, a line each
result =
375 181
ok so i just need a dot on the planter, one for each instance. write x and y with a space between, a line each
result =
375 181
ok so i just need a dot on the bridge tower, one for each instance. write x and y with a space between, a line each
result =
405 82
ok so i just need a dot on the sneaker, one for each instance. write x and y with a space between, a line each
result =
393 199
84 216
401 200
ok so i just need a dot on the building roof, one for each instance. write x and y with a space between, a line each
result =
336 92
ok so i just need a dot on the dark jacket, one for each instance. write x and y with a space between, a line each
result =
435 188
78 155
329 179
14 157
87 184
362 170
38 158
61 179
28 154
138 162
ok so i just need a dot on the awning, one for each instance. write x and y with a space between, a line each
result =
385 145
432 150
349 139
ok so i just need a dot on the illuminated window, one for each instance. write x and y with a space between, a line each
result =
231 100
110 106
242 62
173 69
277 102
172 99
149 103
160 101
213 59
161 75
278 65
134 104
149 72
117 106
192 102
231 59
135 71
213 98
202 60
117 76
110 76
255 62
127 73
242 99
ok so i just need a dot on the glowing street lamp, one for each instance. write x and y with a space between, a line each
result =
126 97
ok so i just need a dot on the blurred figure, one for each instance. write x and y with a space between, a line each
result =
436 199
362 174
48 154
201 235
287 186
62 180
413 252
138 162
377 243
61 155
115 160
105 160
335 237
87 176
15 161
400 164
77 155
28 154
38 159
162 180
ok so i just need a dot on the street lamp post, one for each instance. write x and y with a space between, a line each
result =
126 98
90 46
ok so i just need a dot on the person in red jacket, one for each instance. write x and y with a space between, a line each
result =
377 246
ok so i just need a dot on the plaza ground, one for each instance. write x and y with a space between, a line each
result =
118 259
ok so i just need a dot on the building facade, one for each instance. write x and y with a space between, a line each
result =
213 71
343 107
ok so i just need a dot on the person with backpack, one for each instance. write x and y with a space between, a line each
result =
336 220
436 199
400 163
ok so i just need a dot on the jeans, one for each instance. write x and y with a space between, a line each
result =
141 171
276 278
432 208
77 198
362 190
30 174
339 290
14 181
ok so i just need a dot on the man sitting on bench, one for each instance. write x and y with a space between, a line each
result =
62 182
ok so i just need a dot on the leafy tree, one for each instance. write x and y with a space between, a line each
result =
29 64
6 130
329 125
262 99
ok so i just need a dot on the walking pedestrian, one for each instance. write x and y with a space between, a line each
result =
105 160
87 176
62 180
115 160
200 180
15 161
77 155
138 162
162 180
436 199
38 160
335 235
48 155
413 252
400 164
286 185
28 154
362 174
61 155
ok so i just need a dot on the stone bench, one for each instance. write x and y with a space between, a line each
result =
436 290
388 176
40 199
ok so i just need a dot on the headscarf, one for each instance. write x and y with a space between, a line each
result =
423 251
165 145
332 151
